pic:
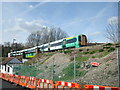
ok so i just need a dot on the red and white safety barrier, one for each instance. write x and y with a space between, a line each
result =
44 83
36 84
93 87
62 84
31 82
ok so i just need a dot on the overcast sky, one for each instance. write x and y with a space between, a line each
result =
19 19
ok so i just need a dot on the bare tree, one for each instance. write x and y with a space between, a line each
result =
112 31
45 35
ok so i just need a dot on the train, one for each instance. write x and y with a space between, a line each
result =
70 42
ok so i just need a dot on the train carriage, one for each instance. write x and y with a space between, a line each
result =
71 42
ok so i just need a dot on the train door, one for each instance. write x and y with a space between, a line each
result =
83 40
64 43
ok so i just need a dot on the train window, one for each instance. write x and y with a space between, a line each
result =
71 40
42 47
45 47
56 44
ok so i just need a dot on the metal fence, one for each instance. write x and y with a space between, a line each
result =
57 72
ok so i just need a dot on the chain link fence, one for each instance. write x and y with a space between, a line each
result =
57 72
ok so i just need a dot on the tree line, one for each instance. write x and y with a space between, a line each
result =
49 34
45 35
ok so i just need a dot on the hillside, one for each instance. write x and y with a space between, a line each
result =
63 68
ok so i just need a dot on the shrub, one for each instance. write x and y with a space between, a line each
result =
80 50
106 47
77 65
93 56
111 49
101 50
92 52
85 52
88 49
68 51
109 44
109 72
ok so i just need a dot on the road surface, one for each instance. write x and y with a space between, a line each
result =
4 85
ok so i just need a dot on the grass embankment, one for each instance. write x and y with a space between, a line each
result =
67 72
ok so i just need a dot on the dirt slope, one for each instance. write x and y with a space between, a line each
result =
105 74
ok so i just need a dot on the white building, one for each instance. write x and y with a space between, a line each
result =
10 64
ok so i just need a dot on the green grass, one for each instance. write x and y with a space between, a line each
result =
69 73
28 71
107 64
109 72
106 47
90 52
93 56
103 54
85 52
68 51
49 54
101 50
81 59
111 49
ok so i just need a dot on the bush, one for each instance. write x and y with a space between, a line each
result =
92 52
68 51
109 44
88 49
93 56
101 50
77 65
106 47
80 50
111 49
85 52
107 64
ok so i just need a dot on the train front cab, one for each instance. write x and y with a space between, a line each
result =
82 39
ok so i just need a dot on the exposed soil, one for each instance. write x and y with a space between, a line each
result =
105 74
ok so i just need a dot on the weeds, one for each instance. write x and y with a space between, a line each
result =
101 50
81 59
111 49
93 56
68 51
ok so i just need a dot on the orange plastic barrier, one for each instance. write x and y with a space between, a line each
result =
11 77
6 77
23 81
92 87
61 84
3 75
44 83
16 79
32 82
0 75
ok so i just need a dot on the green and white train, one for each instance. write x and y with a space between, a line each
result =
71 42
